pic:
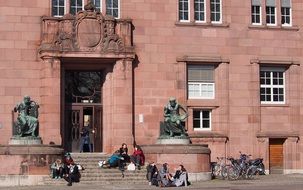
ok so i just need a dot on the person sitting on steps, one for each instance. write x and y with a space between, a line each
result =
152 174
165 176
73 175
138 157
57 169
180 178
118 158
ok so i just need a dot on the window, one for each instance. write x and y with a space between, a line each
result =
112 8
201 84
202 119
270 12
215 10
75 6
98 4
285 13
272 85
184 10
256 12
199 10
58 8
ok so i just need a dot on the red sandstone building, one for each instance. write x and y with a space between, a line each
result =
235 65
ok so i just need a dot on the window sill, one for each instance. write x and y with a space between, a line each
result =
274 105
266 27
207 134
201 24
202 129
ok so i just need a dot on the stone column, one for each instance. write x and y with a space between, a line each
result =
49 112
118 106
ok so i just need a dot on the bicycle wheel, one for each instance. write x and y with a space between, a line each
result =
215 170
224 172
232 173
250 172
261 169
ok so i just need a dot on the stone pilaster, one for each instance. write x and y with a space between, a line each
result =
263 151
49 112
118 106
291 156
255 117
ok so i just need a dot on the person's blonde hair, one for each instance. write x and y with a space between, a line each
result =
58 161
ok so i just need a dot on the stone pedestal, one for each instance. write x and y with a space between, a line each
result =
195 158
15 140
28 159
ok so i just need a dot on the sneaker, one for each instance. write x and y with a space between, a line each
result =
69 184
101 163
149 183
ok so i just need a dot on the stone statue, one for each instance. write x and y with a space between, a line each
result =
27 120
173 119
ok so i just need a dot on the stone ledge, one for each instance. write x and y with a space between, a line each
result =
207 135
175 149
32 149
284 134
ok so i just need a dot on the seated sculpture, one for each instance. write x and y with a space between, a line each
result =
27 120
173 119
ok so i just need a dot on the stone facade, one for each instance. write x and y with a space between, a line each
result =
145 55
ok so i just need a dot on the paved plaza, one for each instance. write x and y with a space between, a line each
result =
268 182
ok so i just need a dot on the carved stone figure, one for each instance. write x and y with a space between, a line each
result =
27 120
173 119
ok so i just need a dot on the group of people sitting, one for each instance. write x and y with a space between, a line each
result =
164 178
67 170
120 157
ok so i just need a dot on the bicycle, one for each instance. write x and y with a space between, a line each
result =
219 169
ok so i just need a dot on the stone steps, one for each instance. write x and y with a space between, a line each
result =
94 174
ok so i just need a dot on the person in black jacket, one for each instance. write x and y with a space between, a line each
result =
124 157
152 174
74 174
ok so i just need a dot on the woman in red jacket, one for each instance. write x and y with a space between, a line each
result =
138 157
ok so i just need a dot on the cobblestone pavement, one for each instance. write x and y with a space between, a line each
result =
268 182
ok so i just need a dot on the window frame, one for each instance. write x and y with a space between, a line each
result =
112 8
255 15
290 16
64 7
76 7
188 10
271 85
213 84
201 119
200 21
220 21
270 14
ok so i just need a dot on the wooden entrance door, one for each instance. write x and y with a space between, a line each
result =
79 116
97 124
276 156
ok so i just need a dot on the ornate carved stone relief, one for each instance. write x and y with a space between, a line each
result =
87 31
